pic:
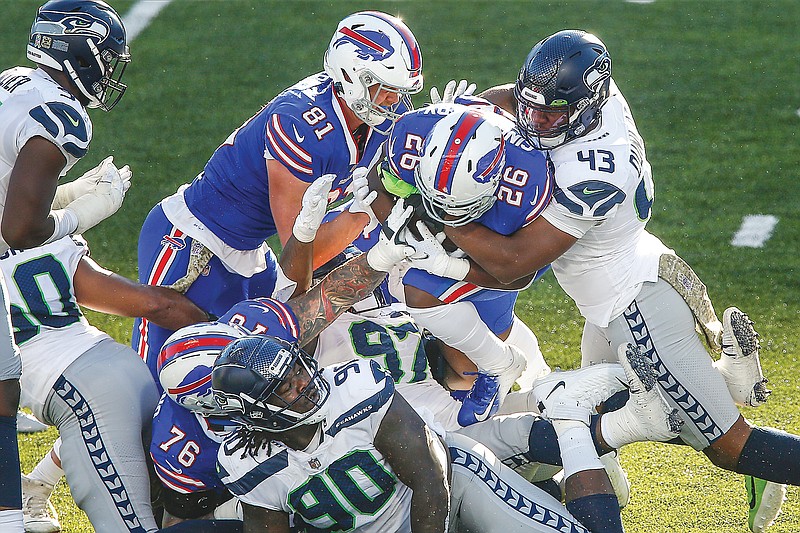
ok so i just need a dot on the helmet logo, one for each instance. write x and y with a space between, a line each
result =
599 72
370 45
82 26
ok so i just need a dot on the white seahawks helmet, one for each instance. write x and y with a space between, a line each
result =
461 167
186 360
372 48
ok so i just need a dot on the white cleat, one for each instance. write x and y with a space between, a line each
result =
38 513
646 416
28 424
618 477
739 363
507 377
573 394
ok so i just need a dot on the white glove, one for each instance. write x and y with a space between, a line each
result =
104 199
68 192
451 92
363 198
430 255
390 250
313 209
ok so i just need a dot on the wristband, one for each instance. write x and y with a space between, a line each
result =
65 222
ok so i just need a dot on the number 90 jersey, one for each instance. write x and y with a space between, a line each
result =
603 198
344 483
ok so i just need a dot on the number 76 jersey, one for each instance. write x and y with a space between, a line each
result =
342 484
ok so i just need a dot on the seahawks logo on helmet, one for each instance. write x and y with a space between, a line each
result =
600 71
72 25
370 45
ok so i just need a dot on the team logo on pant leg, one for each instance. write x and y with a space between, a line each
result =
97 452
176 243
686 402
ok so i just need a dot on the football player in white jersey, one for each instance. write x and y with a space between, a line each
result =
97 392
80 49
629 286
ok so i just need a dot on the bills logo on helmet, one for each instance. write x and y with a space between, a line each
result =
488 164
196 384
370 45
600 71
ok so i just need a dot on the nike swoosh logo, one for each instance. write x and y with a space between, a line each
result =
559 384
72 121
176 470
300 138
752 493
480 417
587 190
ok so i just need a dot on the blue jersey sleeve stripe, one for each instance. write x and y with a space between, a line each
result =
178 482
285 315
277 140
256 476
363 409
39 115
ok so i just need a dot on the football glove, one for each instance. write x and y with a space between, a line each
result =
363 198
390 250
313 208
452 91
68 192
430 255
104 199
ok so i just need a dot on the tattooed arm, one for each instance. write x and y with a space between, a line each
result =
335 294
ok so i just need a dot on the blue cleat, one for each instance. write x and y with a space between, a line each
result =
482 400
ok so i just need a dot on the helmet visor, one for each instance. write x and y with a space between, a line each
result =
544 121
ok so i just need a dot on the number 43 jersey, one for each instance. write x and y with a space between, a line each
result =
42 298
343 483
603 197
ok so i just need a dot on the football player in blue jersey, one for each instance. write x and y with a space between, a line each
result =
187 428
208 239
627 284
80 49
468 164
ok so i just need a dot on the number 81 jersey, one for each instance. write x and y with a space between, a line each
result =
342 484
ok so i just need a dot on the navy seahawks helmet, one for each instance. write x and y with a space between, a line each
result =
84 39
246 378
561 87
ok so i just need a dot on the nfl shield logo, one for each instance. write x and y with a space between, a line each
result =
314 463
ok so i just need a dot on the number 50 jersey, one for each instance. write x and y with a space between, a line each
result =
42 297
342 484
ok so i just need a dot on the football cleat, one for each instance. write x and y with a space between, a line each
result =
28 424
507 378
618 477
38 514
482 401
573 394
646 416
739 363
765 498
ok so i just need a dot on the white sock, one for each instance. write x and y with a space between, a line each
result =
47 471
459 325
11 521
577 449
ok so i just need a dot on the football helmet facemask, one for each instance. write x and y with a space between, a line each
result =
185 363
248 374
369 49
460 168
561 87
84 39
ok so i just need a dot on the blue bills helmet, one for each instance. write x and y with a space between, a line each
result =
84 39
461 166
247 378
561 87
185 362
373 48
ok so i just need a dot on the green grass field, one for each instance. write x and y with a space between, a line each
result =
714 87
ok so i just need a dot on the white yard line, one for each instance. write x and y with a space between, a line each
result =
140 15
754 231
